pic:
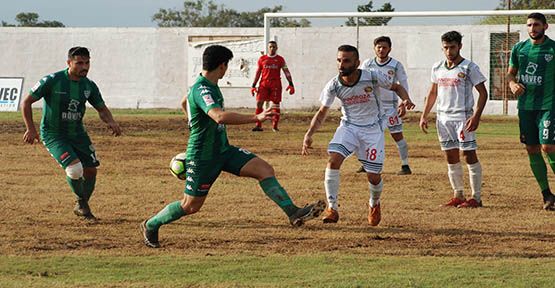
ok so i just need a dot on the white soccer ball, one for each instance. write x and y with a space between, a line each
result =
177 166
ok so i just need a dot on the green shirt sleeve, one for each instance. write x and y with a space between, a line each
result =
42 88
206 98
96 97
513 60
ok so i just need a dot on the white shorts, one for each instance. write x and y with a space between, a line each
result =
393 121
451 135
366 142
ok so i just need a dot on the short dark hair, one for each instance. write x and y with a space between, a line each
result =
538 16
348 48
382 39
272 42
78 51
215 55
452 36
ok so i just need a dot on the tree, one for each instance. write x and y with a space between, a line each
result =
519 5
206 13
373 21
31 19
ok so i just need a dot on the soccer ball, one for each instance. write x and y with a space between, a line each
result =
177 166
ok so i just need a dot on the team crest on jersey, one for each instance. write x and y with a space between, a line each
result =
368 89
87 93
461 75
390 72
72 106
546 123
548 57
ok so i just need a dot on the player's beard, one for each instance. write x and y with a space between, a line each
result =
347 71
539 35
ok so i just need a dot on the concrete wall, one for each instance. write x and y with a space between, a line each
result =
149 67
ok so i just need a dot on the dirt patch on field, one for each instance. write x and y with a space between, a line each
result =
134 182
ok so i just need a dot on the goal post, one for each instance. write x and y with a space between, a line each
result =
500 40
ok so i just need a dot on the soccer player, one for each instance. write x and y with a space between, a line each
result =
209 152
361 130
452 83
393 112
64 94
531 70
269 67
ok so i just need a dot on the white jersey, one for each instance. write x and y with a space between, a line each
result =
360 103
455 100
396 71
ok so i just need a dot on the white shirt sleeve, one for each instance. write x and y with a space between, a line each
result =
328 94
366 64
433 75
476 77
402 77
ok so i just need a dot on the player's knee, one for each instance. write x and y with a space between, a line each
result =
74 171
470 157
548 148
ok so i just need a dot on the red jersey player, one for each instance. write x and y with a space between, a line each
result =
269 67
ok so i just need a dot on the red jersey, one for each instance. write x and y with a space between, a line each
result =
271 67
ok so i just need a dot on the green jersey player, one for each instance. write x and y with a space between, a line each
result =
209 152
531 78
64 94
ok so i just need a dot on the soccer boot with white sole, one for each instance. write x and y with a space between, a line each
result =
150 237
306 213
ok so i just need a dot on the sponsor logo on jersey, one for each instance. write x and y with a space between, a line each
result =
531 68
448 82
60 92
72 106
190 179
64 156
461 75
546 123
530 78
356 99
72 114
368 89
271 66
190 171
390 72
548 57
35 87
208 100
87 93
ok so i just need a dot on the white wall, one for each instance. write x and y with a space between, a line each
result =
148 67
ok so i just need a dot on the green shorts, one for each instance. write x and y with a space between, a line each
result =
65 150
536 127
202 174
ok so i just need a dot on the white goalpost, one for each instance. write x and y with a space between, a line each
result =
489 43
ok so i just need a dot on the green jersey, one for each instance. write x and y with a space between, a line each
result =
536 71
207 139
64 103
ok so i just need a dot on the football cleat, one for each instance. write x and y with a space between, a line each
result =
150 238
549 203
306 213
82 209
257 129
275 129
405 170
330 216
471 203
454 202
374 215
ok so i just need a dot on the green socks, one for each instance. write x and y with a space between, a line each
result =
170 213
539 169
77 187
88 187
273 190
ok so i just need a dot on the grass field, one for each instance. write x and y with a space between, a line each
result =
241 239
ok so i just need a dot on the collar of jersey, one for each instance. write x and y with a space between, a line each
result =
356 82
381 65
445 64
204 80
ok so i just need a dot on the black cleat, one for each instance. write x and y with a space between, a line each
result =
306 213
405 170
257 129
150 238
549 202
82 209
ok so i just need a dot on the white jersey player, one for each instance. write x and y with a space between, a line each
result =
393 112
453 80
361 128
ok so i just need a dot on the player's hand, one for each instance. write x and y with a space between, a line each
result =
264 115
31 136
253 91
517 88
307 144
291 89
472 123
116 130
408 104
424 124
401 110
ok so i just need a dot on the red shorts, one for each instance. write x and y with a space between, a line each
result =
269 91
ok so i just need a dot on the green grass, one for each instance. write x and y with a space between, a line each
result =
322 270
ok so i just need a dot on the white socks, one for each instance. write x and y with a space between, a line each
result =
403 151
475 175
375 193
331 184
455 172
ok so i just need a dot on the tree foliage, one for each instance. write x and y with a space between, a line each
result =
519 5
372 21
203 13
31 19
